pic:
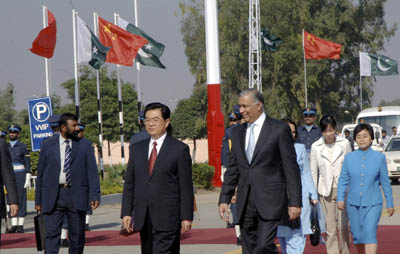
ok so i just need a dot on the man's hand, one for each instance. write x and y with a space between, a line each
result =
294 212
13 210
127 223
390 211
233 199
38 208
186 226
223 212
340 205
314 201
94 204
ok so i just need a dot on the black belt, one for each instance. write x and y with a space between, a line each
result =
64 186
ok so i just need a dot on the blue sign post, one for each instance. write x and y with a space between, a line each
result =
39 113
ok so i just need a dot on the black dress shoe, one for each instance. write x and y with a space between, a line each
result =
12 230
20 229
64 243
230 225
87 227
239 241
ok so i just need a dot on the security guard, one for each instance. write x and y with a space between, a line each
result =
54 121
234 121
142 134
308 133
81 134
3 134
20 158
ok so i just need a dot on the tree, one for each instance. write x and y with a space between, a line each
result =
332 84
395 102
189 119
109 103
7 106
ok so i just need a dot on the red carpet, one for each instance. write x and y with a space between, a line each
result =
387 239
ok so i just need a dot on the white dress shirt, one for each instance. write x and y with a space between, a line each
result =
62 179
257 129
159 141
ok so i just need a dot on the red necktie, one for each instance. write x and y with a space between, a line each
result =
153 157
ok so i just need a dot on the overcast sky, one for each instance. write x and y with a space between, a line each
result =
20 22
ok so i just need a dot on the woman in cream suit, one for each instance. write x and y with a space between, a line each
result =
326 159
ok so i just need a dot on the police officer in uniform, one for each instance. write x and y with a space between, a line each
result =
81 134
20 158
308 133
142 134
234 121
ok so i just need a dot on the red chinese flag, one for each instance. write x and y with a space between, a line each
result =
317 48
45 42
124 45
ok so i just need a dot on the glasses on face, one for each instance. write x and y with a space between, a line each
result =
152 120
13 132
308 115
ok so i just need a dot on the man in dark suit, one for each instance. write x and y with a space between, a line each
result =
158 191
67 182
7 179
262 164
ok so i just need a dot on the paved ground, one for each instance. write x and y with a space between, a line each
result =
106 217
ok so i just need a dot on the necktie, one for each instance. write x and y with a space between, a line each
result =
251 145
67 162
153 157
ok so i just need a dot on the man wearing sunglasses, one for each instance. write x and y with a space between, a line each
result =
308 133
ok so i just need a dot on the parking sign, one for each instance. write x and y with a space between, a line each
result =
39 113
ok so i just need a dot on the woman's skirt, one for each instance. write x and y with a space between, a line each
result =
364 222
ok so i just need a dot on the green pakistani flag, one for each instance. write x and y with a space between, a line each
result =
269 41
90 49
377 65
150 53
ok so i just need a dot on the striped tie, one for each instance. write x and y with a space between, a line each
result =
67 162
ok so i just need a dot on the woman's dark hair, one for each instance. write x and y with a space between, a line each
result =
327 120
364 126
288 120
165 112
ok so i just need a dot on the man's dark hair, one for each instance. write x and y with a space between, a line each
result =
347 131
67 116
384 131
165 112
394 127
364 126
288 120
327 120
257 96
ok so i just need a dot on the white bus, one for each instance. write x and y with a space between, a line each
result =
387 117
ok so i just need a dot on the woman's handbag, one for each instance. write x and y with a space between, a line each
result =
314 237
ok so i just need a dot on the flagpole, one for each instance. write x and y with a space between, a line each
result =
99 113
74 13
361 99
138 64
121 116
46 60
305 72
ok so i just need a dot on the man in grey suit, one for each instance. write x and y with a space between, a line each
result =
7 179
262 164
